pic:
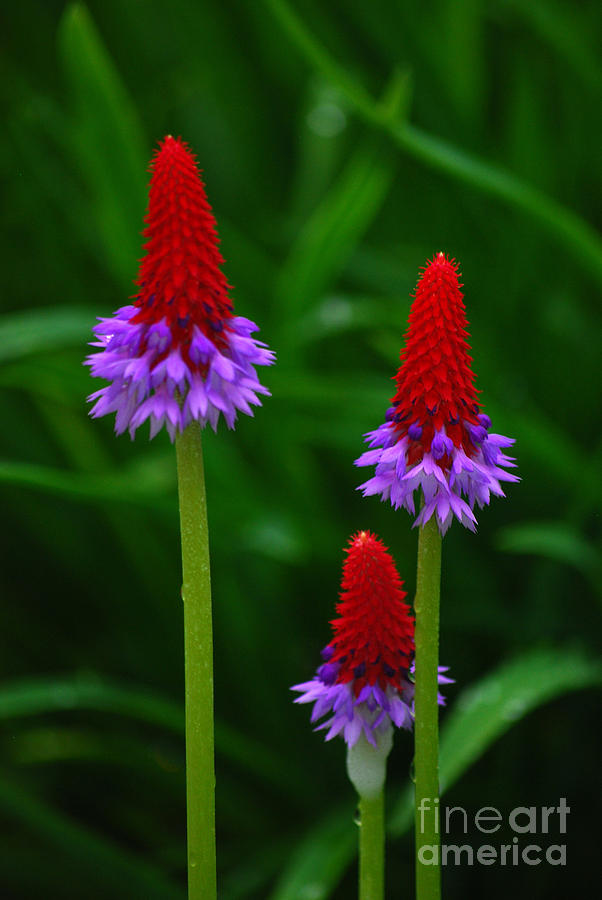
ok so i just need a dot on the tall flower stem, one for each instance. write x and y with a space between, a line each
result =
426 726
372 847
198 646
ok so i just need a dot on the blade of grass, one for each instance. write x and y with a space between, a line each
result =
335 227
559 541
559 27
36 697
109 141
76 693
485 711
463 55
567 228
341 219
320 859
480 715
488 709
249 877
39 330
121 872
143 490
65 196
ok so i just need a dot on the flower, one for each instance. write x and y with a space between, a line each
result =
435 436
365 680
177 353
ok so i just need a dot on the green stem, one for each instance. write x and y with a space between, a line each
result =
426 725
198 646
372 847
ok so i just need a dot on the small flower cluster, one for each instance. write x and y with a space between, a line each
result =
365 681
435 436
177 353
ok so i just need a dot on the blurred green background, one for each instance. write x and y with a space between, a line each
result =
342 144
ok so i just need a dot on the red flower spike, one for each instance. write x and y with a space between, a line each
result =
374 632
435 382
180 276
365 683
435 437
178 354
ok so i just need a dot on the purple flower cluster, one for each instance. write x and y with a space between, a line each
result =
372 712
152 378
475 477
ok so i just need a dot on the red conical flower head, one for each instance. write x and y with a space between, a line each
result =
374 632
435 382
365 683
434 436
180 276
178 354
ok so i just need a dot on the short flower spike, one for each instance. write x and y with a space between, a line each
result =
177 353
365 680
435 436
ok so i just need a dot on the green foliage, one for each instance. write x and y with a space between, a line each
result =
108 144
480 715
341 144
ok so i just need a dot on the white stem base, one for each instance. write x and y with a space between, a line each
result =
367 765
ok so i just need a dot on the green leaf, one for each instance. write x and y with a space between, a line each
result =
555 540
320 59
569 230
109 141
106 863
559 26
250 876
480 715
143 486
336 227
341 313
485 711
332 231
88 692
30 698
319 860
553 448
39 330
